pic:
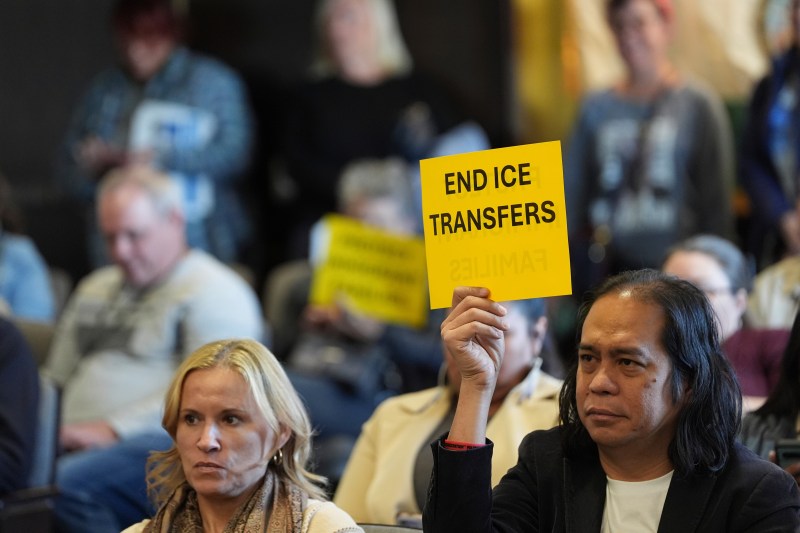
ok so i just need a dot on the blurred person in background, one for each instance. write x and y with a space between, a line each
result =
365 101
650 160
779 416
377 193
719 269
165 105
770 154
19 402
25 288
343 361
386 478
775 298
124 331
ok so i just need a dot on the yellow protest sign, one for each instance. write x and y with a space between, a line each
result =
496 219
380 274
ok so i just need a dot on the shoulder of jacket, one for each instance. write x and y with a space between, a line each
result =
99 280
413 402
325 517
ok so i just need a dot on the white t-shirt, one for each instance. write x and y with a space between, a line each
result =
634 506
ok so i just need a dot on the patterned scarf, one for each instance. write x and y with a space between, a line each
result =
180 514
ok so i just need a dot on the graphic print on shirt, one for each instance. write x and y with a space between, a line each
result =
637 176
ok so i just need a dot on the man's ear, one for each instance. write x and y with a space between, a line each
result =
687 395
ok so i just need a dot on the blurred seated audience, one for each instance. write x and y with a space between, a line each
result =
774 300
376 192
241 449
648 158
770 154
719 269
25 289
778 417
386 478
19 401
165 105
124 331
365 100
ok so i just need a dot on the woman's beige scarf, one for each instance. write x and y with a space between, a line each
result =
180 513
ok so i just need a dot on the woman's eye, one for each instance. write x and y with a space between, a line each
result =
190 419
232 419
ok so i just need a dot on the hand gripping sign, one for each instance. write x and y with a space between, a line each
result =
497 219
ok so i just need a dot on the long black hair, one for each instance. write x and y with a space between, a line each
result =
784 400
712 404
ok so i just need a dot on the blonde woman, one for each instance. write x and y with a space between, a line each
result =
364 101
242 441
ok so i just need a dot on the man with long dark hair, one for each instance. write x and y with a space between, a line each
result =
649 414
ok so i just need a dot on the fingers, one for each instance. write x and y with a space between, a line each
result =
460 333
459 293
475 319
472 304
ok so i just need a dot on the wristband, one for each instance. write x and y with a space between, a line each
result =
455 445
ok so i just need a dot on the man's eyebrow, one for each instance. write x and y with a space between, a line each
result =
617 351
628 350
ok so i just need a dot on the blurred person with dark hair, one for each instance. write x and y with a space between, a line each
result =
170 107
650 160
649 414
778 417
386 478
25 288
719 269
19 401
770 154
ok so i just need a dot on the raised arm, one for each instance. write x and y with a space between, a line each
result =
460 492
473 334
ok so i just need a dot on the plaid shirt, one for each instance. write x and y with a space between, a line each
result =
189 79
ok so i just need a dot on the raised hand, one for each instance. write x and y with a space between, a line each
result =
474 336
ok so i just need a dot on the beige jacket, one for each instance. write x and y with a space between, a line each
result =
318 517
377 484
776 293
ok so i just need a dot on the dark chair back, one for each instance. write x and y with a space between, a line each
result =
31 509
